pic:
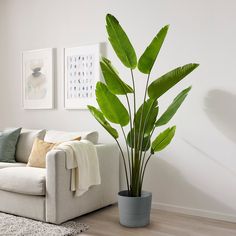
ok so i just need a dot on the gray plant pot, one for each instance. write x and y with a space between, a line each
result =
134 211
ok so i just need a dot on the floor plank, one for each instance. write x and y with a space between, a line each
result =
105 222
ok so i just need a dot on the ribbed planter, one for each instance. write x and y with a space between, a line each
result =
134 211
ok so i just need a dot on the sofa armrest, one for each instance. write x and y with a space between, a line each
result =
108 156
61 204
56 179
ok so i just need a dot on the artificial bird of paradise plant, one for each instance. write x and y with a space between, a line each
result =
140 144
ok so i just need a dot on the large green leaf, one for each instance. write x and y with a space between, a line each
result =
150 111
149 56
101 119
168 80
120 42
163 139
145 144
113 81
172 109
111 106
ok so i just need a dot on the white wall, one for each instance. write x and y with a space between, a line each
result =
2 43
197 173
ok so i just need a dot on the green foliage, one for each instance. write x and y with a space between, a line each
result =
120 42
113 81
146 142
172 109
146 115
143 121
148 58
168 80
101 119
163 139
111 106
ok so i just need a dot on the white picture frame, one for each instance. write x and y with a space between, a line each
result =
81 73
38 79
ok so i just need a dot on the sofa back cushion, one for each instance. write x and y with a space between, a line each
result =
8 140
25 143
39 151
62 136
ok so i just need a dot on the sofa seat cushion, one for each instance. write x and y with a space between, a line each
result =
7 164
25 180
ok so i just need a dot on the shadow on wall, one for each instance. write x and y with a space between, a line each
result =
171 187
220 106
205 154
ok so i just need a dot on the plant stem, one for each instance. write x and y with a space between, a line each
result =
145 123
147 144
135 183
140 130
131 141
126 174
135 163
144 169
143 159
134 131
132 75
127 153
145 166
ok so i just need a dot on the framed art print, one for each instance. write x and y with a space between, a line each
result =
37 79
82 71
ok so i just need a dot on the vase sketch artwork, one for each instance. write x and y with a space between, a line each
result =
81 75
36 82
38 79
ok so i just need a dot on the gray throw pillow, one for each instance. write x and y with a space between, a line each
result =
8 141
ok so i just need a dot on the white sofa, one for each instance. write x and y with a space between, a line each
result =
44 194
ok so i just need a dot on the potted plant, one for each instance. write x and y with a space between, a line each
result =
134 203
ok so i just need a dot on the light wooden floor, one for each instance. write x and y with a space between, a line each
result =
105 222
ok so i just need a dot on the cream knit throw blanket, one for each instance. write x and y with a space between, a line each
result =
82 159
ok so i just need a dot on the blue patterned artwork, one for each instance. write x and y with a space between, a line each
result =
81 75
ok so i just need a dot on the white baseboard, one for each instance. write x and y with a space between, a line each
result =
194 211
